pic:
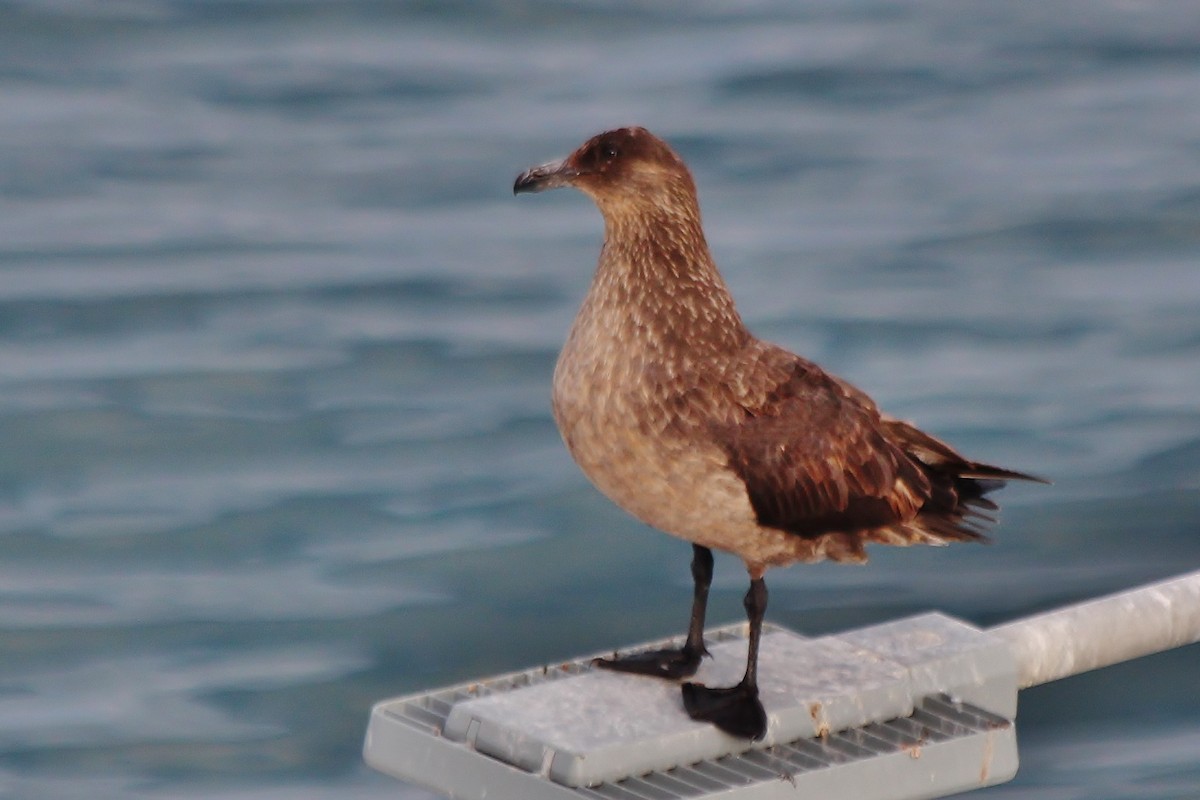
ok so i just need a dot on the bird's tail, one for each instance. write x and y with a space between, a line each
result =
934 453
958 508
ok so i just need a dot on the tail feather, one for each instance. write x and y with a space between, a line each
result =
986 472
934 453
958 508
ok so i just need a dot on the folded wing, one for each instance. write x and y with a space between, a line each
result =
818 458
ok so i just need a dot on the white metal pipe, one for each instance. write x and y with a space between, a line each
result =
1097 633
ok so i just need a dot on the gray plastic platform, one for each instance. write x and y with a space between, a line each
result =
917 708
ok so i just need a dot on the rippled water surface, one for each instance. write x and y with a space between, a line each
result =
276 343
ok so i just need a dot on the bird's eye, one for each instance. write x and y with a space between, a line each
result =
609 152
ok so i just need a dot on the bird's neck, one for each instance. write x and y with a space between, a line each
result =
657 267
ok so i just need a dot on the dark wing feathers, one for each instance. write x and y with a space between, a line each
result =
817 458
936 453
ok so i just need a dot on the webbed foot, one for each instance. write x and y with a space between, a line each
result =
735 710
671 664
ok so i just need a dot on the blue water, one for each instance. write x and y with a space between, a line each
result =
276 343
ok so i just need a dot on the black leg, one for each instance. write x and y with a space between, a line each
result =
683 662
702 573
736 709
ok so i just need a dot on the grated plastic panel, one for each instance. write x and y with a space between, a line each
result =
943 746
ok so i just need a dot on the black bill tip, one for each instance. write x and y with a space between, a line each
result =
543 177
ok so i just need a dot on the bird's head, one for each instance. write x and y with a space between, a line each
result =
626 168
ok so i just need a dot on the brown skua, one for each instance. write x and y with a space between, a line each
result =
677 413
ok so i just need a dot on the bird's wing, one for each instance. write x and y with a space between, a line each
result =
938 455
816 458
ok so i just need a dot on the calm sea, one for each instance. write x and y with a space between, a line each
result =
276 344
